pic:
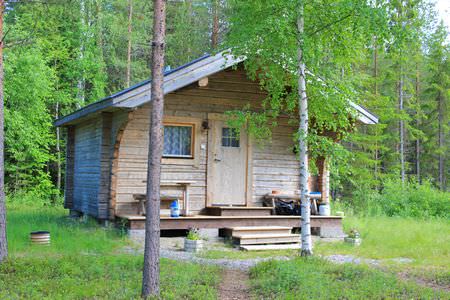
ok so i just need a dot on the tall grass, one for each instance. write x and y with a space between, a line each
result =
68 236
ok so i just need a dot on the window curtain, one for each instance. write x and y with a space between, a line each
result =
177 140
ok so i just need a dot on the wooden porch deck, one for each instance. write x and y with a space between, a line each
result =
207 221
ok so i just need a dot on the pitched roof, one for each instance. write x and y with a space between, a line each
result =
173 80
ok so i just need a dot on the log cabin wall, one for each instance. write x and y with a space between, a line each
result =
70 168
274 164
86 166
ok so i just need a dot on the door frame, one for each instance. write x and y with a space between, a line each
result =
212 117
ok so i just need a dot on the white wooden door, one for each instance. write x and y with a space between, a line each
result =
227 165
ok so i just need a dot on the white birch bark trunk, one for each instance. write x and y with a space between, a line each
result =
150 278
303 134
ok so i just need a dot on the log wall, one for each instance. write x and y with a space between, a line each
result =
86 174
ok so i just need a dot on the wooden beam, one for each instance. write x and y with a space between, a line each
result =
203 82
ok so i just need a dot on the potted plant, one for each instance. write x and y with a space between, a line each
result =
353 237
193 242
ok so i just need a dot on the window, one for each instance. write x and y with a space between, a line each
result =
178 141
230 137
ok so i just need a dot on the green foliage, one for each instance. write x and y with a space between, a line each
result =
37 197
193 235
409 200
336 34
28 138
86 261
64 55
317 279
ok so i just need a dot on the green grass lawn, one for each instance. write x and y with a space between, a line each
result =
318 279
425 241
85 261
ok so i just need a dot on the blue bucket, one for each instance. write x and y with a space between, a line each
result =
174 209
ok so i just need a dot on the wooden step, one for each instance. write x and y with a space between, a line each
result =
254 239
270 247
270 230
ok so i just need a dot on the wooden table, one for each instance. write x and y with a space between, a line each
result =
141 198
286 196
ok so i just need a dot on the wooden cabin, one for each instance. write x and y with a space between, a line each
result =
219 177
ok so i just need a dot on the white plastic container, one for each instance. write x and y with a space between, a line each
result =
324 210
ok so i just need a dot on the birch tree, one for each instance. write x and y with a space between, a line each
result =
150 280
324 40
303 141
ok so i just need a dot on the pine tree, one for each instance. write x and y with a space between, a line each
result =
150 280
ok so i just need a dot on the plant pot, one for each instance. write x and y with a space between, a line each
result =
40 237
193 245
353 241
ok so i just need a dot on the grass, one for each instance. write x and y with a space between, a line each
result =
318 279
236 254
86 261
425 241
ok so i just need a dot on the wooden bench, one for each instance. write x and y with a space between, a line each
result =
271 197
141 198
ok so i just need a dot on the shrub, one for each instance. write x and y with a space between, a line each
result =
405 200
34 198
193 235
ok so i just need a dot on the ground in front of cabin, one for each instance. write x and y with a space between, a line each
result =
86 261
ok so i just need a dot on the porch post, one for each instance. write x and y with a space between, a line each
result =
324 180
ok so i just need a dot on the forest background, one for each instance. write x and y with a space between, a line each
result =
62 55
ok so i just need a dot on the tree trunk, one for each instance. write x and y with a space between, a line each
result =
130 28
375 75
375 65
3 241
441 142
417 126
150 281
81 85
58 150
215 25
401 127
302 142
